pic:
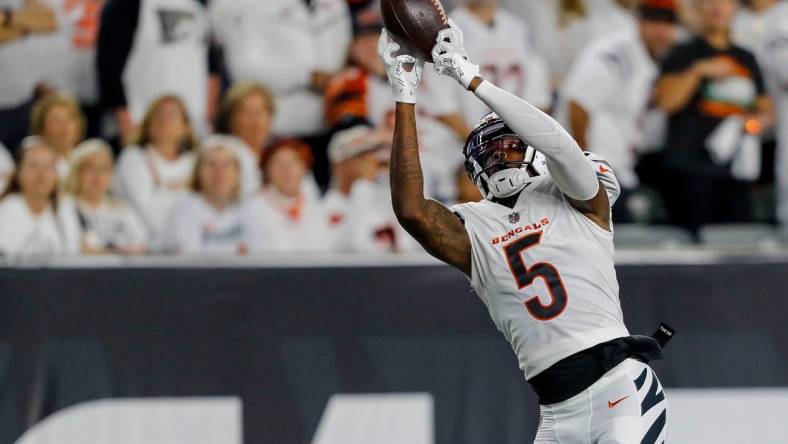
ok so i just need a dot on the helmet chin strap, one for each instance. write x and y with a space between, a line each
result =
508 182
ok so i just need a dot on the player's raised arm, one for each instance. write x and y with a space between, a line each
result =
436 228
571 170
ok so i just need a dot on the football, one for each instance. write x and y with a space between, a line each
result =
414 24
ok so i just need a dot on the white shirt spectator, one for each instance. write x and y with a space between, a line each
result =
504 56
766 35
66 58
6 167
168 54
194 226
612 81
16 68
152 183
280 43
561 43
111 225
24 233
364 222
278 225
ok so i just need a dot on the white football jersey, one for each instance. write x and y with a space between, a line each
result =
545 272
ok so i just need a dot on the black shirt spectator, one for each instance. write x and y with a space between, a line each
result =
690 126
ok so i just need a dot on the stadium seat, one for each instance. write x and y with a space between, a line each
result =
740 236
651 236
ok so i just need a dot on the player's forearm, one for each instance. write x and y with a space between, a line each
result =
572 172
407 182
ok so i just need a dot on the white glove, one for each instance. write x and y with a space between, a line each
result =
404 83
450 57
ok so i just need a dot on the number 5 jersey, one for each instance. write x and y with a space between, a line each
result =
545 272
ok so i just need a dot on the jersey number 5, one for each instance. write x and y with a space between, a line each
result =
524 276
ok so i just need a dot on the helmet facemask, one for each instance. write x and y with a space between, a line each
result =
485 159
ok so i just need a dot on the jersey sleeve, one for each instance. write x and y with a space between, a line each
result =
606 176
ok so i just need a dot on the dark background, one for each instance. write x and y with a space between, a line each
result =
285 340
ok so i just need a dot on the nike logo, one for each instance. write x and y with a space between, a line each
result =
610 405
603 170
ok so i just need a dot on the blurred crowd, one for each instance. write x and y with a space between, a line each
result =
260 126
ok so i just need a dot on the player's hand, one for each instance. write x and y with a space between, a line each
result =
451 58
404 71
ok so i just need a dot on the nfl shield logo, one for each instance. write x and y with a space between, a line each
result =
514 218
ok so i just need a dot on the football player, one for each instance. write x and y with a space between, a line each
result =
538 251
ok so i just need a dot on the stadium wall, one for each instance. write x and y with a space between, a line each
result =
284 340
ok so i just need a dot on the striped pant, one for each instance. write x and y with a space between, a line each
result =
625 406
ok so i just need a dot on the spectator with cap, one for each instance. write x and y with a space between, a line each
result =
58 119
147 48
20 21
106 224
281 217
607 92
208 220
156 170
291 46
710 88
358 204
31 223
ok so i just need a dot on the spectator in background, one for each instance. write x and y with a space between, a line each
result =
281 218
246 112
705 82
147 48
106 225
561 29
20 20
31 223
65 59
763 29
500 42
209 219
59 121
156 171
360 94
358 204
607 91
292 46
6 168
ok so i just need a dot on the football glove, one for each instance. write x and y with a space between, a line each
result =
451 58
404 71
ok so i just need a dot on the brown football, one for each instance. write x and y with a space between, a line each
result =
414 24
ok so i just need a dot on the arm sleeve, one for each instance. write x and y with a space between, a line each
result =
571 171
116 35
